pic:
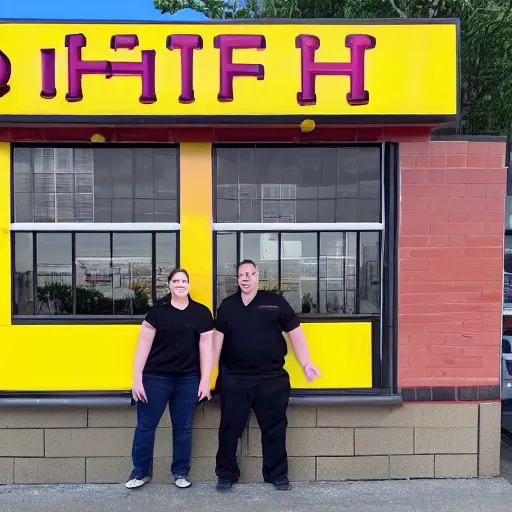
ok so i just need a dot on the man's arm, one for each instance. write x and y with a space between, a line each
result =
301 351
218 341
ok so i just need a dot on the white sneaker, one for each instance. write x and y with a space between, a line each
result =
182 483
135 483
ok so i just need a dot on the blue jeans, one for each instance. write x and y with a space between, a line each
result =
180 392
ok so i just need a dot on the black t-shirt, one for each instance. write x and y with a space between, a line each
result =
175 347
253 334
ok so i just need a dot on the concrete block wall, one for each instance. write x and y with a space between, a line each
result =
325 443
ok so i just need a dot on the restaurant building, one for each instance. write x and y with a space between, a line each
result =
129 148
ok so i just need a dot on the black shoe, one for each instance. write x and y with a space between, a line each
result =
282 486
224 485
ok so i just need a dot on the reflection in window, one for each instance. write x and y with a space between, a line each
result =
95 184
369 273
299 271
263 249
226 265
54 274
298 184
328 273
338 273
23 274
111 273
131 273
165 261
93 274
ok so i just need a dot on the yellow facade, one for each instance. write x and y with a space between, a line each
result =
99 357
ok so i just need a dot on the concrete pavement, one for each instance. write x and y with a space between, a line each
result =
390 496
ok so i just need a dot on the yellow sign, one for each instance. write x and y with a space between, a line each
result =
227 70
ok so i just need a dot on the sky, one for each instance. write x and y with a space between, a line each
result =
131 10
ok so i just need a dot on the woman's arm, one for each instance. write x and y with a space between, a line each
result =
206 363
146 337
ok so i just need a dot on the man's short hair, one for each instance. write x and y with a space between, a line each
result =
245 262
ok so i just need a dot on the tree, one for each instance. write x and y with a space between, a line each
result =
486 42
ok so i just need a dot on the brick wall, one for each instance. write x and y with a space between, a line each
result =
450 263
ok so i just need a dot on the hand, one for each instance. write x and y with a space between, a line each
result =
138 392
311 372
204 390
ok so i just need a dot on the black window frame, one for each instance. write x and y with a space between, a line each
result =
384 324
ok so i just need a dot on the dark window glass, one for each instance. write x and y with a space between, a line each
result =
54 274
338 273
299 271
298 184
23 274
327 273
507 278
369 273
95 184
93 264
112 273
131 273
165 261
226 265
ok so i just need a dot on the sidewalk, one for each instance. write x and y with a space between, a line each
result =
390 496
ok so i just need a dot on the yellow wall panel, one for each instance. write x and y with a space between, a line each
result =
343 351
196 245
67 357
5 240
99 357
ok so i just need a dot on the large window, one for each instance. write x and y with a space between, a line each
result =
95 228
95 184
91 273
327 273
298 184
310 217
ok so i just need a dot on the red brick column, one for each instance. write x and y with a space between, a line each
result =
450 263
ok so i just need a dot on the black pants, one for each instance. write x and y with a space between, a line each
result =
268 396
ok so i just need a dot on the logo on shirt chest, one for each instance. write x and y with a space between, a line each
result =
268 308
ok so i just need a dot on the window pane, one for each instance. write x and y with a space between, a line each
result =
507 278
165 261
226 266
165 174
23 274
298 184
143 173
93 265
106 184
131 271
262 248
337 273
54 276
299 270
369 273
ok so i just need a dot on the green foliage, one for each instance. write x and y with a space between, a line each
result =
486 42
57 298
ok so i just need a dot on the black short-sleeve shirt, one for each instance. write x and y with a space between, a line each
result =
175 347
253 334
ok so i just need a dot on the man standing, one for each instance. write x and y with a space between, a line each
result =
251 347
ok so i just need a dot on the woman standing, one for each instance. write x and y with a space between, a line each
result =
173 364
